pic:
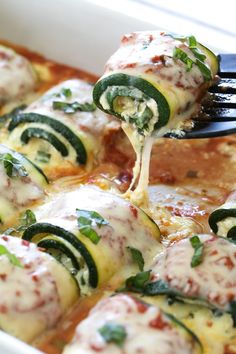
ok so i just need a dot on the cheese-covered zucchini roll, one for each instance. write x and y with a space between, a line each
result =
123 324
95 233
17 76
22 184
35 289
155 79
223 220
62 130
200 269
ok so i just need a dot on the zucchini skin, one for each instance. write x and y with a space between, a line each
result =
135 82
221 214
58 126
45 135
54 244
42 228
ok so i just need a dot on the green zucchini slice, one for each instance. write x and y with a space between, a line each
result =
122 89
223 220
45 135
156 80
38 229
56 125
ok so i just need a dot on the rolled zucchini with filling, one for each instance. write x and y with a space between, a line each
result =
198 270
124 324
61 132
22 184
35 289
156 80
95 234
17 77
223 220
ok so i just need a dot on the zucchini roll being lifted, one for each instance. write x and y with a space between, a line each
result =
35 289
22 184
123 324
17 76
223 220
155 80
95 234
62 131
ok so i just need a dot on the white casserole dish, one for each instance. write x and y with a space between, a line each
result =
75 32
79 33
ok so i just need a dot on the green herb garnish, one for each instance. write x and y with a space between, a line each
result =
12 258
85 220
206 72
181 55
73 107
13 166
137 282
198 247
66 92
137 257
113 333
27 219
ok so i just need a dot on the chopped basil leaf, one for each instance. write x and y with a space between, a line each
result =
85 220
113 333
198 247
198 54
12 258
90 233
137 257
181 55
27 219
73 107
13 166
66 92
192 42
137 282
159 287
206 72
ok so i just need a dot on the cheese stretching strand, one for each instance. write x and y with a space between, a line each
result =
154 82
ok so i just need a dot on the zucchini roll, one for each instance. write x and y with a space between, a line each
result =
94 233
223 220
22 184
124 324
35 289
62 131
17 76
200 270
155 80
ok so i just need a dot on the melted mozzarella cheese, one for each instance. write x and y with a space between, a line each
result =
147 329
16 75
128 226
213 280
33 296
